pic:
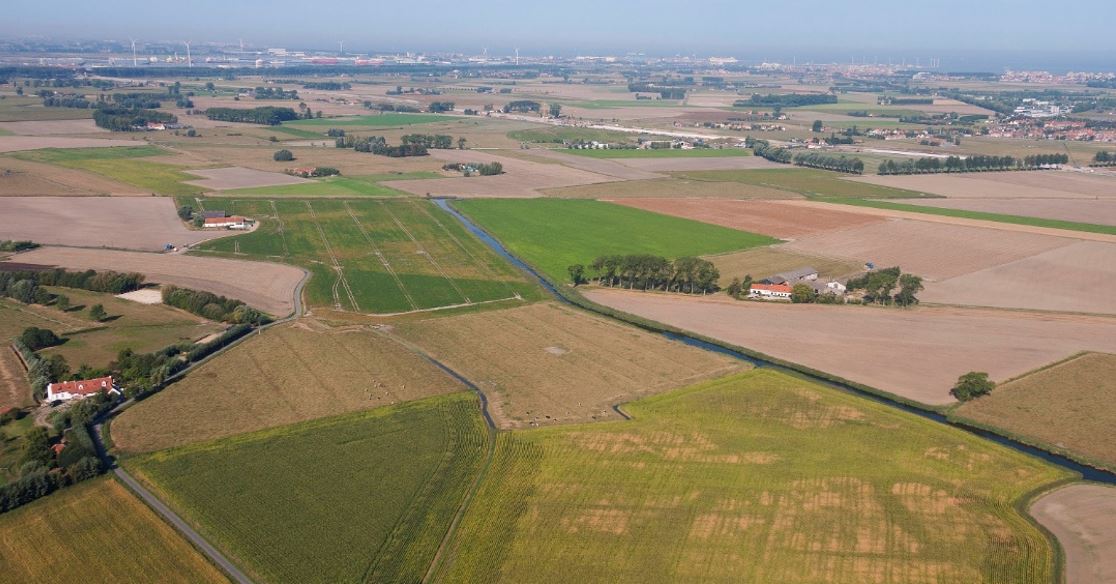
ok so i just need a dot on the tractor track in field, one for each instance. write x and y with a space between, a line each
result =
380 254
426 254
337 267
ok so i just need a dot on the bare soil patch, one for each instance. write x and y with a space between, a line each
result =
146 223
766 217
915 353
24 178
521 178
1006 185
1096 211
1083 518
144 296
932 250
17 143
52 127
235 177
285 375
546 364
266 286
1080 277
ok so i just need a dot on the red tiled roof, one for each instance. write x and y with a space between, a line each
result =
83 386
773 288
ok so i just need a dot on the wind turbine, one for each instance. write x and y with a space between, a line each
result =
134 62
189 60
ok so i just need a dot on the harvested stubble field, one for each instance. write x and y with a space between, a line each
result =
336 186
660 152
140 327
21 178
24 143
671 188
126 165
1089 211
146 223
699 164
15 392
385 120
267 286
1005 185
805 181
96 532
310 371
261 157
363 497
52 127
547 364
1089 267
375 256
917 353
1083 518
235 177
603 166
552 234
932 250
1036 224
766 217
761 262
31 108
1068 406
759 477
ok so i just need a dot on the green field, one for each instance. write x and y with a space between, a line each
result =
659 152
379 121
560 134
337 186
364 497
297 133
374 255
552 234
622 103
761 477
981 215
122 163
804 181
31 109
96 531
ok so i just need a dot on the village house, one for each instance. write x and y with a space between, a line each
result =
770 291
80 389
234 222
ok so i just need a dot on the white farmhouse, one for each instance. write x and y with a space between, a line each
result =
68 390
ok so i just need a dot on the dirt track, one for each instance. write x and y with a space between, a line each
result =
1083 518
766 217
143 223
268 287
917 353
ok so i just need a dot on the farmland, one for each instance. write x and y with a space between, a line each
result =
1068 406
1006 185
107 536
375 256
1088 211
310 372
804 181
15 392
354 186
547 364
766 217
364 496
560 134
552 234
660 152
916 354
762 477
1083 518
122 164
761 262
377 121
985 216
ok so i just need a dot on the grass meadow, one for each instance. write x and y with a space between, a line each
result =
336 186
365 498
30 109
96 531
760 477
552 234
375 256
659 153
124 163
980 215
804 181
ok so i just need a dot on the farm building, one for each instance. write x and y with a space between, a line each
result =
234 222
770 291
806 273
80 389
215 214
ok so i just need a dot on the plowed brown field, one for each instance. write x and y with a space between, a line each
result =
766 217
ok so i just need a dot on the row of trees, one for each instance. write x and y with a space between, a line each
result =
41 473
879 287
977 163
274 93
765 149
28 287
471 168
379 145
892 100
436 141
438 107
271 116
122 119
17 245
327 85
688 275
522 106
786 99
212 306
830 162
1104 158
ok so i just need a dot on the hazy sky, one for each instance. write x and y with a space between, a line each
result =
740 27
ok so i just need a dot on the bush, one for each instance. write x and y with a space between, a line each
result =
212 306
283 156
972 385
36 338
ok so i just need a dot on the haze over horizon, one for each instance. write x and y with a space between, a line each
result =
872 30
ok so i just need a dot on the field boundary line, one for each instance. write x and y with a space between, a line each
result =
448 306
341 281
486 265
379 254
426 254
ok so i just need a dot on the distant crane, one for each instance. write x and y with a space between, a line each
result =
135 63
189 60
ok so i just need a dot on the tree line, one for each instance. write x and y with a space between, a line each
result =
274 93
212 306
121 119
765 149
17 245
379 145
1104 158
687 275
523 106
269 115
830 162
28 286
327 85
892 100
976 163
785 99
471 168
879 287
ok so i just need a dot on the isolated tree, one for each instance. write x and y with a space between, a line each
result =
746 284
909 285
972 385
802 294
817 126
461 143
62 302
283 156
555 110
577 273
185 212
97 312
38 338
734 288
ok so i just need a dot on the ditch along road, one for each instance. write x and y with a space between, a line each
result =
157 505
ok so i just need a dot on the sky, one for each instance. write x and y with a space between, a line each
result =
865 29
